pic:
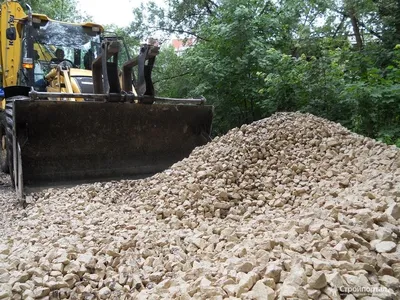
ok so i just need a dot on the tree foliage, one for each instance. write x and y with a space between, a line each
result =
334 58
61 10
131 43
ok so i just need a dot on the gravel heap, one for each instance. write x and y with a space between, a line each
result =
292 206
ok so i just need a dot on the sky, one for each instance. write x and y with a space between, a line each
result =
119 13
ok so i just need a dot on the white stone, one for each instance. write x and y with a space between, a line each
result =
104 293
273 271
385 247
317 281
389 282
394 211
261 291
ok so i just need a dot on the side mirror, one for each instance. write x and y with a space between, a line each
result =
11 33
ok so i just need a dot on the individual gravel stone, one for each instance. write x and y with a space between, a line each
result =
390 282
384 246
394 211
317 281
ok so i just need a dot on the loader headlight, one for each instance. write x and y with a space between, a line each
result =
27 63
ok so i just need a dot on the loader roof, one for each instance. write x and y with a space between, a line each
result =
40 18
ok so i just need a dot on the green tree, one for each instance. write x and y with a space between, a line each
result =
61 10
171 75
335 58
180 18
131 43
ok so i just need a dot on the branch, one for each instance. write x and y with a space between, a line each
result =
340 26
346 15
311 22
306 19
371 31
208 6
171 30
172 77
209 10
264 8
343 13
213 3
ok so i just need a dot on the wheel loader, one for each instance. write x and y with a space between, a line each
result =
89 115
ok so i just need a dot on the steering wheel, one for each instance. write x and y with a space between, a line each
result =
64 60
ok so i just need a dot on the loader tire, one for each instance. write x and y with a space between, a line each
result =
8 116
4 161
9 123
4 166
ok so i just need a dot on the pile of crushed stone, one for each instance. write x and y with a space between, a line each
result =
292 206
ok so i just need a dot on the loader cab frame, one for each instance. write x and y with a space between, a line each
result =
42 37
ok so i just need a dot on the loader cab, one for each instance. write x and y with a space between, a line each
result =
80 44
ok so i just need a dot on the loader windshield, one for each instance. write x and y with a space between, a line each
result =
80 44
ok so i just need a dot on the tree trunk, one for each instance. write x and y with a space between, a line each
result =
356 29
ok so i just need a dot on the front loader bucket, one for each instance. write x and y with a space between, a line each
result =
63 141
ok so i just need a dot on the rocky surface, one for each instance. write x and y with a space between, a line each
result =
289 207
